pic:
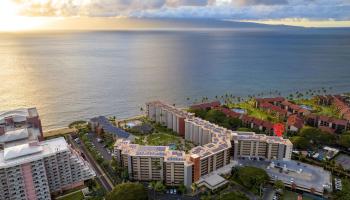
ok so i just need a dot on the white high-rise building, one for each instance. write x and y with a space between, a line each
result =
33 170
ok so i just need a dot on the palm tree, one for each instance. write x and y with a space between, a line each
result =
182 189
194 188
152 186
159 186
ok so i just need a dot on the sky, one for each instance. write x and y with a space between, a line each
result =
41 14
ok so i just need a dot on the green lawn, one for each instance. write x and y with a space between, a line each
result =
77 195
255 112
162 139
329 111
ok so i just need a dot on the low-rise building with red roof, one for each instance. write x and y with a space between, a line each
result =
206 105
272 108
295 123
228 112
337 125
272 100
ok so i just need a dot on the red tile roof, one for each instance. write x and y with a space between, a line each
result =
339 122
331 120
324 118
347 116
228 112
342 107
294 120
206 105
257 122
266 105
311 115
270 100
268 125
286 103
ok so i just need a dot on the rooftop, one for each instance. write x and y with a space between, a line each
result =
29 152
18 136
260 137
110 128
18 115
301 174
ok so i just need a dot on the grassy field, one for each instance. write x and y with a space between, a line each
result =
329 111
164 139
255 112
78 195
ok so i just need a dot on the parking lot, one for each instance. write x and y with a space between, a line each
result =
301 174
100 146
343 160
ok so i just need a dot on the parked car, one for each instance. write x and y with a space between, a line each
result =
77 140
99 140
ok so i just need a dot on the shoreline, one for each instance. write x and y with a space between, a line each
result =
58 131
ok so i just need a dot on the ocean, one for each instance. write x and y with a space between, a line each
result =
71 75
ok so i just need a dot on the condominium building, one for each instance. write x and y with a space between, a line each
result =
216 147
33 170
19 124
154 163
167 115
209 158
249 144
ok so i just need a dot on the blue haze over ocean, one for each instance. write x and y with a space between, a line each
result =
78 75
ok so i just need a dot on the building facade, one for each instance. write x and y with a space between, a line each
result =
33 170
216 147
249 144
154 163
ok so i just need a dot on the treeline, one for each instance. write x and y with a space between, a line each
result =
218 117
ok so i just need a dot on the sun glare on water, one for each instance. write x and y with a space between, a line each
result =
10 20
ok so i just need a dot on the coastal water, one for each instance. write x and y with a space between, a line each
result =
78 75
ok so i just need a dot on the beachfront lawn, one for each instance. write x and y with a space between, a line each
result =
252 111
77 195
329 111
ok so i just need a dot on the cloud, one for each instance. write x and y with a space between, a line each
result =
222 9
259 2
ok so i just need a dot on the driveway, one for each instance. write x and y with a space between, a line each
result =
99 146
269 193
100 175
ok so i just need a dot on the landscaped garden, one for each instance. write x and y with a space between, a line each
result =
217 117
252 178
163 136
252 111
329 111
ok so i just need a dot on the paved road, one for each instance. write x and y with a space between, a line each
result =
100 175
99 146
269 193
